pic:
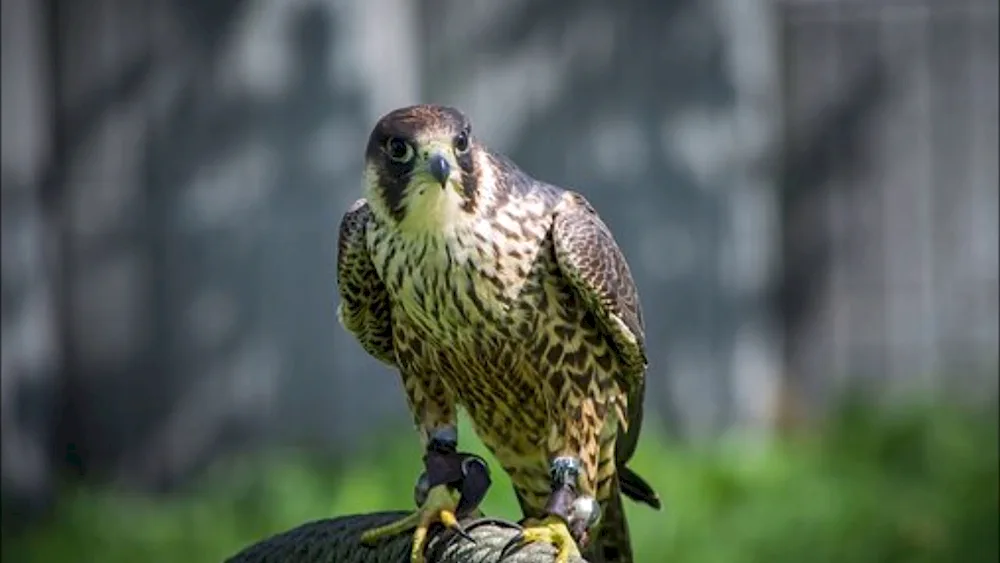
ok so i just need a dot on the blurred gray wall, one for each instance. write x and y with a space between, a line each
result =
890 199
807 192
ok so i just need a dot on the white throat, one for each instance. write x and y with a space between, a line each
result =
431 208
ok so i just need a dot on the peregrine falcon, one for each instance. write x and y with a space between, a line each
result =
491 290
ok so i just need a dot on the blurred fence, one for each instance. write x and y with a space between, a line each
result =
889 198
807 191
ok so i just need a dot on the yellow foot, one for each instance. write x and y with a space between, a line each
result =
439 507
551 530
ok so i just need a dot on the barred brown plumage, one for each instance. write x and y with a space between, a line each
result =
507 296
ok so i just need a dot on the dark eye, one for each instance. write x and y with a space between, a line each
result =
462 142
398 150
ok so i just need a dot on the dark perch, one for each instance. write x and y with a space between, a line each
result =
336 540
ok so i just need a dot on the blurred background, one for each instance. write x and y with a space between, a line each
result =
807 192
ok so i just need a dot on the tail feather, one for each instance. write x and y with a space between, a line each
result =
636 488
611 542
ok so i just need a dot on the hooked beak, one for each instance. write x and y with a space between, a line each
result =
439 168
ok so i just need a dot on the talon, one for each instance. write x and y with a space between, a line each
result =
451 487
552 530
439 507
486 521
451 522
515 544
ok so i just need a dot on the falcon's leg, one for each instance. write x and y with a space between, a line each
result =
449 489
571 509
452 484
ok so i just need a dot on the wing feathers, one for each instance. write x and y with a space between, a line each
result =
591 259
364 308
593 263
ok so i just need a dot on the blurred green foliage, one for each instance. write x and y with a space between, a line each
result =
915 485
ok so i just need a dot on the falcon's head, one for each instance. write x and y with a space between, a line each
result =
422 167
